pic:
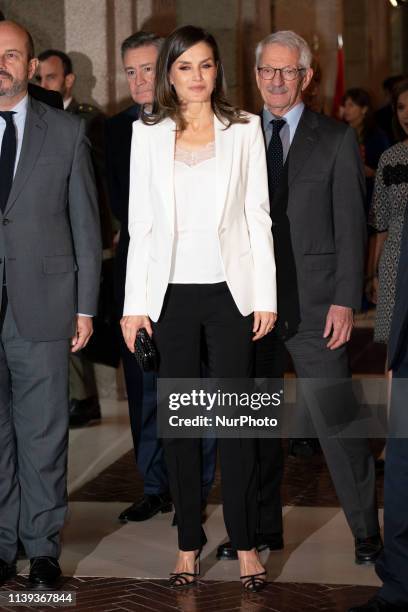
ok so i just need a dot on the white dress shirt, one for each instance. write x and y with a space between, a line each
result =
67 102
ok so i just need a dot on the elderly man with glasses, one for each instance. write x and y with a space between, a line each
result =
316 192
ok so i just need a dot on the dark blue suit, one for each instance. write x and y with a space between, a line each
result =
141 387
392 566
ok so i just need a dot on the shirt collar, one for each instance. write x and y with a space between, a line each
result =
292 117
21 107
67 102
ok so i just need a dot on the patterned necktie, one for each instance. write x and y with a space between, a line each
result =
274 156
7 158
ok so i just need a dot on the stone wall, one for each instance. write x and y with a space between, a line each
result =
91 32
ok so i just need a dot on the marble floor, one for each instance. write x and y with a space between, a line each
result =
318 543
112 566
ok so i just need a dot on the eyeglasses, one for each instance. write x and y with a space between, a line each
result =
288 74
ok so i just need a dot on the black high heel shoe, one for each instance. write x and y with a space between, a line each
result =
180 580
253 582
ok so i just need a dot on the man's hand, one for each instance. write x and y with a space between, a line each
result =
264 322
339 323
83 332
130 326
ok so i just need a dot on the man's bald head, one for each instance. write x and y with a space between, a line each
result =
19 31
17 63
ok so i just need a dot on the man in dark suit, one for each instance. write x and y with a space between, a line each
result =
316 189
56 73
392 565
50 256
139 55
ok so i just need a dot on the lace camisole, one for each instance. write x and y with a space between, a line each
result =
196 253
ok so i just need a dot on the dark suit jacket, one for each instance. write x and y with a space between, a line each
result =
52 98
49 231
325 191
95 131
399 326
118 141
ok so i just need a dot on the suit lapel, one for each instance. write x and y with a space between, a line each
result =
35 130
303 143
224 147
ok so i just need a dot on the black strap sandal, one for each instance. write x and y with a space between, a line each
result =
253 582
180 580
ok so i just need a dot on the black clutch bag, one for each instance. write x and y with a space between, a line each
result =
145 352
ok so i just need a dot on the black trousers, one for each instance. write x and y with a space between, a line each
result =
392 566
269 362
193 314
350 461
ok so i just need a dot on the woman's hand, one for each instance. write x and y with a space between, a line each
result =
130 326
368 171
264 322
371 289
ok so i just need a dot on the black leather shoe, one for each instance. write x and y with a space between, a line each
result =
379 605
82 412
225 551
7 571
146 507
44 573
380 465
303 447
368 549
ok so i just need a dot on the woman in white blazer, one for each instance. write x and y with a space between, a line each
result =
201 268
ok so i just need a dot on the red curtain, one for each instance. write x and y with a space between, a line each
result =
340 85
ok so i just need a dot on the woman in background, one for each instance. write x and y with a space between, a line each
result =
358 112
201 269
387 217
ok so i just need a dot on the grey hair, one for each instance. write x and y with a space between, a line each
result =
286 38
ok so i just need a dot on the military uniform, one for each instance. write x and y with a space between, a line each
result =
83 389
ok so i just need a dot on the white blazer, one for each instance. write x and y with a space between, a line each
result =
242 204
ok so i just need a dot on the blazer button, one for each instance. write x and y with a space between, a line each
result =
6 221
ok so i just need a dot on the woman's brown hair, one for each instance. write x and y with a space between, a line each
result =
362 98
166 103
397 90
